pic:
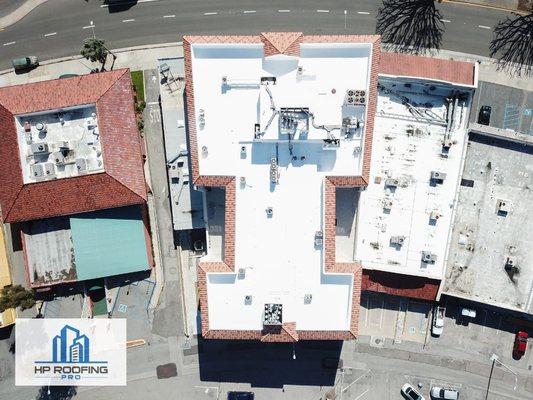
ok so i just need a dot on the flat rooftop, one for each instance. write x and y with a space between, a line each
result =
85 246
59 143
280 124
404 216
491 251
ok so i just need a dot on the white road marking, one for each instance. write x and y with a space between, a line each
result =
132 1
128 20
284 11
322 11
363 12
211 13
249 12
50 34
169 16
445 20
88 26
362 394
9 43
483 26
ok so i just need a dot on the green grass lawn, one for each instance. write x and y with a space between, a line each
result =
138 83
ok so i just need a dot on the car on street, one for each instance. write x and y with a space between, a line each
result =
520 344
409 392
24 63
484 115
440 393
438 321
240 395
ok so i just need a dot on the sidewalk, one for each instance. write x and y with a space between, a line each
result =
17 14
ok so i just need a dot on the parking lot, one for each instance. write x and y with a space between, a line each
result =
391 317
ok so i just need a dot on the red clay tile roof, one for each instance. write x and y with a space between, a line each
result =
122 183
458 72
281 42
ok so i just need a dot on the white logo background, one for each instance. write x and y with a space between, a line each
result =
33 343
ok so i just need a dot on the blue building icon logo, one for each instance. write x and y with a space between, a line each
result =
70 346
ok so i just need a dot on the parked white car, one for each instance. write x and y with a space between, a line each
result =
409 392
444 394
438 321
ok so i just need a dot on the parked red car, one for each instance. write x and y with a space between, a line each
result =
520 344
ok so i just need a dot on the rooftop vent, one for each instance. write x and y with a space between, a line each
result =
49 169
428 257
434 215
242 273
510 262
391 183
269 212
273 314
273 170
248 299
308 298
58 158
41 127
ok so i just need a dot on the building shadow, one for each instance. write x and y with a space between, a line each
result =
512 45
410 26
269 365
114 6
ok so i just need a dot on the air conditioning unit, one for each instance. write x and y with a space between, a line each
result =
81 164
39 148
269 211
41 127
49 169
397 240
248 299
503 206
437 176
243 151
224 80
308 298
58 158
387 203
37 171
242 273
391 183
242 180
428 257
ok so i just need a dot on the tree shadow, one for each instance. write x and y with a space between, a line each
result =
410 26
56 393
512 45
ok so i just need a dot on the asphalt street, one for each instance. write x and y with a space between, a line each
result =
57 28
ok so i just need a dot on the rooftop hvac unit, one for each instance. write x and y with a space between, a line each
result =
58 158
37 170
49 169
397 240
243 151
39 148
248 299
447 143
308 298
242 273
428 257
81 164
269 211
437 176
503 206
319 238
224 80
391 183
434 215
387 203
273 314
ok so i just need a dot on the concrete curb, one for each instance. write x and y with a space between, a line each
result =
114 51
19 13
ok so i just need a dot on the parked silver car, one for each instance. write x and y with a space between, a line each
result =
443 393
